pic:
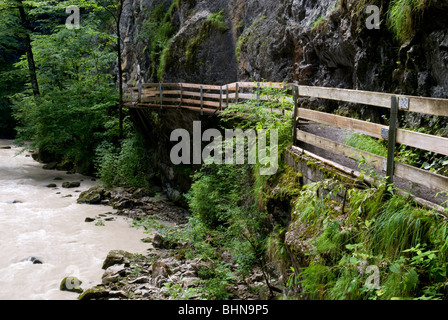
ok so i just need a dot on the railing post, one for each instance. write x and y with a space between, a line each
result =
131 97
295 112
140 88
392 137
161 96
181 96
202 101
227 95
237 91
220 99
258 94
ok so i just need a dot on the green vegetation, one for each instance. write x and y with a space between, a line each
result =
427 160
229 224
215 21
326 250
405 243
125 165
246 36
404 16
74 119
158 31
366 143
320 25
67 120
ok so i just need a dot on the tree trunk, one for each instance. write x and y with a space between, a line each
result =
29 51
120 71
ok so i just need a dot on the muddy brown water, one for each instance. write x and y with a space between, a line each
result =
42 222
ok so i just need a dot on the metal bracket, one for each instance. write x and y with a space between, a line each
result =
385 133
404 103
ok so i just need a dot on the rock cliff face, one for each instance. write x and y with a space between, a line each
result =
312 42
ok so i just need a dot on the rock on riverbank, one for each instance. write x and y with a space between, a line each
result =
163 272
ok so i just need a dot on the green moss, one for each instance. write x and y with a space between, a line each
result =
286 185
157 31
216 21
404 16
246 37
320 25
93 294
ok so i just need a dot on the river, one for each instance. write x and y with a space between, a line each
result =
48 224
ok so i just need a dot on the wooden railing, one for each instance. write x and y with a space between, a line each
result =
213 98
199 97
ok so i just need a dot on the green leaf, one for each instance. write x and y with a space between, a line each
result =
395 268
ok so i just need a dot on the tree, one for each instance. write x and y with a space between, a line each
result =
24 32
115 9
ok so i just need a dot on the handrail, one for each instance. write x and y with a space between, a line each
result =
214 98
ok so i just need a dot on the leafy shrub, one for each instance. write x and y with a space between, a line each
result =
403 17
127 166
366 143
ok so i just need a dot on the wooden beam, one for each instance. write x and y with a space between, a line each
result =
202 101
276 85
354 96
410 138
295 113
341 149
198 86
205 102
425 105
204 95
363 127
423 141
392 140
416 175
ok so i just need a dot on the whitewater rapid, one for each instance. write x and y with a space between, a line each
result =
49 224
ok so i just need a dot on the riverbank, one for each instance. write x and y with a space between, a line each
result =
163 272
40 218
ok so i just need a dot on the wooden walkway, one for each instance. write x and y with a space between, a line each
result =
212 99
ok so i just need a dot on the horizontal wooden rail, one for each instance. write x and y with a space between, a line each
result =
431 180
410 138
433 106
211 99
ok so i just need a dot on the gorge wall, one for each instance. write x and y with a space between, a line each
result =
310 42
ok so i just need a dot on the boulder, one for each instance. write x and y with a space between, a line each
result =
50 166
124 204
141 193
116 257
161 242
71 284
69 185
34 260
113 274
160 268
94 294
92 196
